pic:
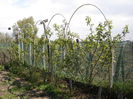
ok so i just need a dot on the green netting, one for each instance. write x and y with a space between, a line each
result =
124 61
76 63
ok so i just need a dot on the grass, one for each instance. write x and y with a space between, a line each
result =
8 96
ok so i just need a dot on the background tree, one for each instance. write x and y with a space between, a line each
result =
25 33
25 25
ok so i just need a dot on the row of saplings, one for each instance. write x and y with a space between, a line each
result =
98 46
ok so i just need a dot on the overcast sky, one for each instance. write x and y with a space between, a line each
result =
119 11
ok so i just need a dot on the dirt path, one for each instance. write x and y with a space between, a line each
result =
4 93
16 88
13 87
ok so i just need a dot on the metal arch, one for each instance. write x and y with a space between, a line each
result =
43 23
56 14
88 4
38 22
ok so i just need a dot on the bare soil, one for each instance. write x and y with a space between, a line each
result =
8 83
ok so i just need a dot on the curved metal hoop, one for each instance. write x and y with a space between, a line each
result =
88 4
56 14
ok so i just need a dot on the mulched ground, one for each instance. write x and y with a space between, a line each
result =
13 87
8 85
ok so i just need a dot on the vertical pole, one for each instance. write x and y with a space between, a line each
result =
112 74
43 57
18 47
44 26
113 63
30 55
22 52
33 61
